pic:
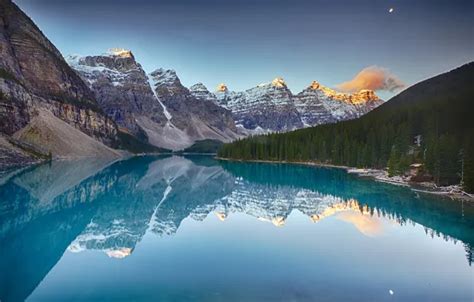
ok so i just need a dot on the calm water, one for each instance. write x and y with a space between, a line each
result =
194 229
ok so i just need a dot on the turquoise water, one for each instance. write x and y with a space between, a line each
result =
195 229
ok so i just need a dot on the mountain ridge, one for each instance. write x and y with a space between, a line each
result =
272 107
155 107
34 78
429 123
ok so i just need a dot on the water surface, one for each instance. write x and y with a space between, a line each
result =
195 229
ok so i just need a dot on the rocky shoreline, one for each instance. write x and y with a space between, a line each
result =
453 191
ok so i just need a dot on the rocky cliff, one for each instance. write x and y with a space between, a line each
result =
110 98
272 106
318 104
34 76
267 106
121 88
156 108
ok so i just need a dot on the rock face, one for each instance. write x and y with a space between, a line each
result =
196 119
34 76
200 92
156 108
321 105
265 107
106 91
50 134
121 88
273 107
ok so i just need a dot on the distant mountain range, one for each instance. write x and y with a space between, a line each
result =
428 124
272 107
174 117
106 105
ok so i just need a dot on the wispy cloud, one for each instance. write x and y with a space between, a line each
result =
374 78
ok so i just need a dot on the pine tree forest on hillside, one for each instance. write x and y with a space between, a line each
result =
430 123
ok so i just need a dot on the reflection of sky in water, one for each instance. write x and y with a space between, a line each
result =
243 257
192 229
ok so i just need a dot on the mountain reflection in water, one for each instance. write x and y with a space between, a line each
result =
109 206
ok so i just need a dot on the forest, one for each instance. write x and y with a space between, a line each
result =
430 123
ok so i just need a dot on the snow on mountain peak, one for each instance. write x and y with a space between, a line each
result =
199 87
314 85
165 77
222 87
365 95
362 96
167 83
200 92
278 82
120 52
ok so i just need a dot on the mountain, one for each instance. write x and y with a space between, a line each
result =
272 107
319 105
156 108
34 79
429 123
268 106
111 100
121 88
192 119
200 92
62 139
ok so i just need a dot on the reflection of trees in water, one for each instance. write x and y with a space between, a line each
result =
443 217
110 206
402 221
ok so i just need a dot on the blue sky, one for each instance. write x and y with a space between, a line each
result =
244 43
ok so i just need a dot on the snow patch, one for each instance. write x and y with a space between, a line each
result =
153 83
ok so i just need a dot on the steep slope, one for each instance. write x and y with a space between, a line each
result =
319 105
267 106
121 88
200 92
156 108
34 72
429 123
52 135
124 92
189 119
272 107
34 77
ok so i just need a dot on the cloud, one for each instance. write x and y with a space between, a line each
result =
373 78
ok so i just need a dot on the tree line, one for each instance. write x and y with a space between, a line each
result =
430 123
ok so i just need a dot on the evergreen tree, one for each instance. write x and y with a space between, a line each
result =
393 162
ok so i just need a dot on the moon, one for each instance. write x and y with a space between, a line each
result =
390 10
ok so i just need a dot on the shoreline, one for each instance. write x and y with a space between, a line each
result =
378 175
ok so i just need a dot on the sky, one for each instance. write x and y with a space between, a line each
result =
344 44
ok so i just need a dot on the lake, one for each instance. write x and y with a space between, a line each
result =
196 229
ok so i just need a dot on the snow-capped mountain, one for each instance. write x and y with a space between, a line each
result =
159 109
200 92
198 119
156 108
44 104
272 106
268 106
121 88
321 105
